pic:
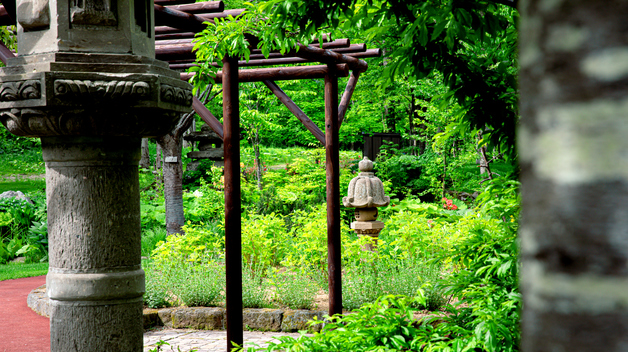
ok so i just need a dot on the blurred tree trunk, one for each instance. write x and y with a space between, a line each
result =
574 172
145 160
171 144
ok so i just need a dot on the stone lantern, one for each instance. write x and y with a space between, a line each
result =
85 81
366 194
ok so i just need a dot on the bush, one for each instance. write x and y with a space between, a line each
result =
294 289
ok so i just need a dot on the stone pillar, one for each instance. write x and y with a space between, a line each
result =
86 83
95 282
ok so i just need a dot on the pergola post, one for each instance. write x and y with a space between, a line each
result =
333 191
233 221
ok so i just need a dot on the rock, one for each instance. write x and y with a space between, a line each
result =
296 320
165 315
151 318
16 194
199 318
262 319
38 301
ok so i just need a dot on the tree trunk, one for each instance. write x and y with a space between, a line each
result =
572 138
258 161
145 159
413 138
171 144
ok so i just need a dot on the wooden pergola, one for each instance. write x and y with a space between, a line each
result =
176 23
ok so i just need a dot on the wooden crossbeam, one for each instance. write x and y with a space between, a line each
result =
294 109
5 53
330 57
280 73
208 117
346 96
199 7
6 19
180 49
178 19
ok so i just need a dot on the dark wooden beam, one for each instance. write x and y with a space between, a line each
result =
5 18
208 117
223 14
177 19
346 96
9 11
5 53
274 59
199 7
338 43
294 109
332 163
233 222
172 2
280 73
366 54
173 35
182 49
329 57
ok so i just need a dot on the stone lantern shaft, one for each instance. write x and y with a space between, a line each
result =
86 83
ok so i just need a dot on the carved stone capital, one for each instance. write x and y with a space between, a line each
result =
20 90
30 122
177 95
114 89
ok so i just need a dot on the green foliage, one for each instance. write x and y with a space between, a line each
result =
384 325
471 44
369 279
150 239
201 243
255 289
182 284
294 289
23 230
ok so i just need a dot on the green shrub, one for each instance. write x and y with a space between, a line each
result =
157 288
365 281
150 239
198 285
255 288
294 289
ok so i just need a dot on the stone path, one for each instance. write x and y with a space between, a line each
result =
205 341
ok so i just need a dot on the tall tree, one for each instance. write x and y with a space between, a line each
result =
574 120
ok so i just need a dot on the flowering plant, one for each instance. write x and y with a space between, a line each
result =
449 204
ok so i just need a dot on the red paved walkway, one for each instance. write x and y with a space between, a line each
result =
21 329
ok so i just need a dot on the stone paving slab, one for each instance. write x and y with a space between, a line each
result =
205 340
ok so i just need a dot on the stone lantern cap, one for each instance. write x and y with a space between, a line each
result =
365 190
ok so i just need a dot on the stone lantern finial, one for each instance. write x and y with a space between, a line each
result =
366 194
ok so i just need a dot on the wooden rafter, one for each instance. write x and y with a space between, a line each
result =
294 109
346 96
280 73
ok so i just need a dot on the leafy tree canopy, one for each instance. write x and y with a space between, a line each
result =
471 43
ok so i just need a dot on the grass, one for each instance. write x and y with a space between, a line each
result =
19 270
26 162
23 185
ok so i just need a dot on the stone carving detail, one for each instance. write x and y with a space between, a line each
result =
20 90
172 94
93 12
33 14
67 88
96 122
